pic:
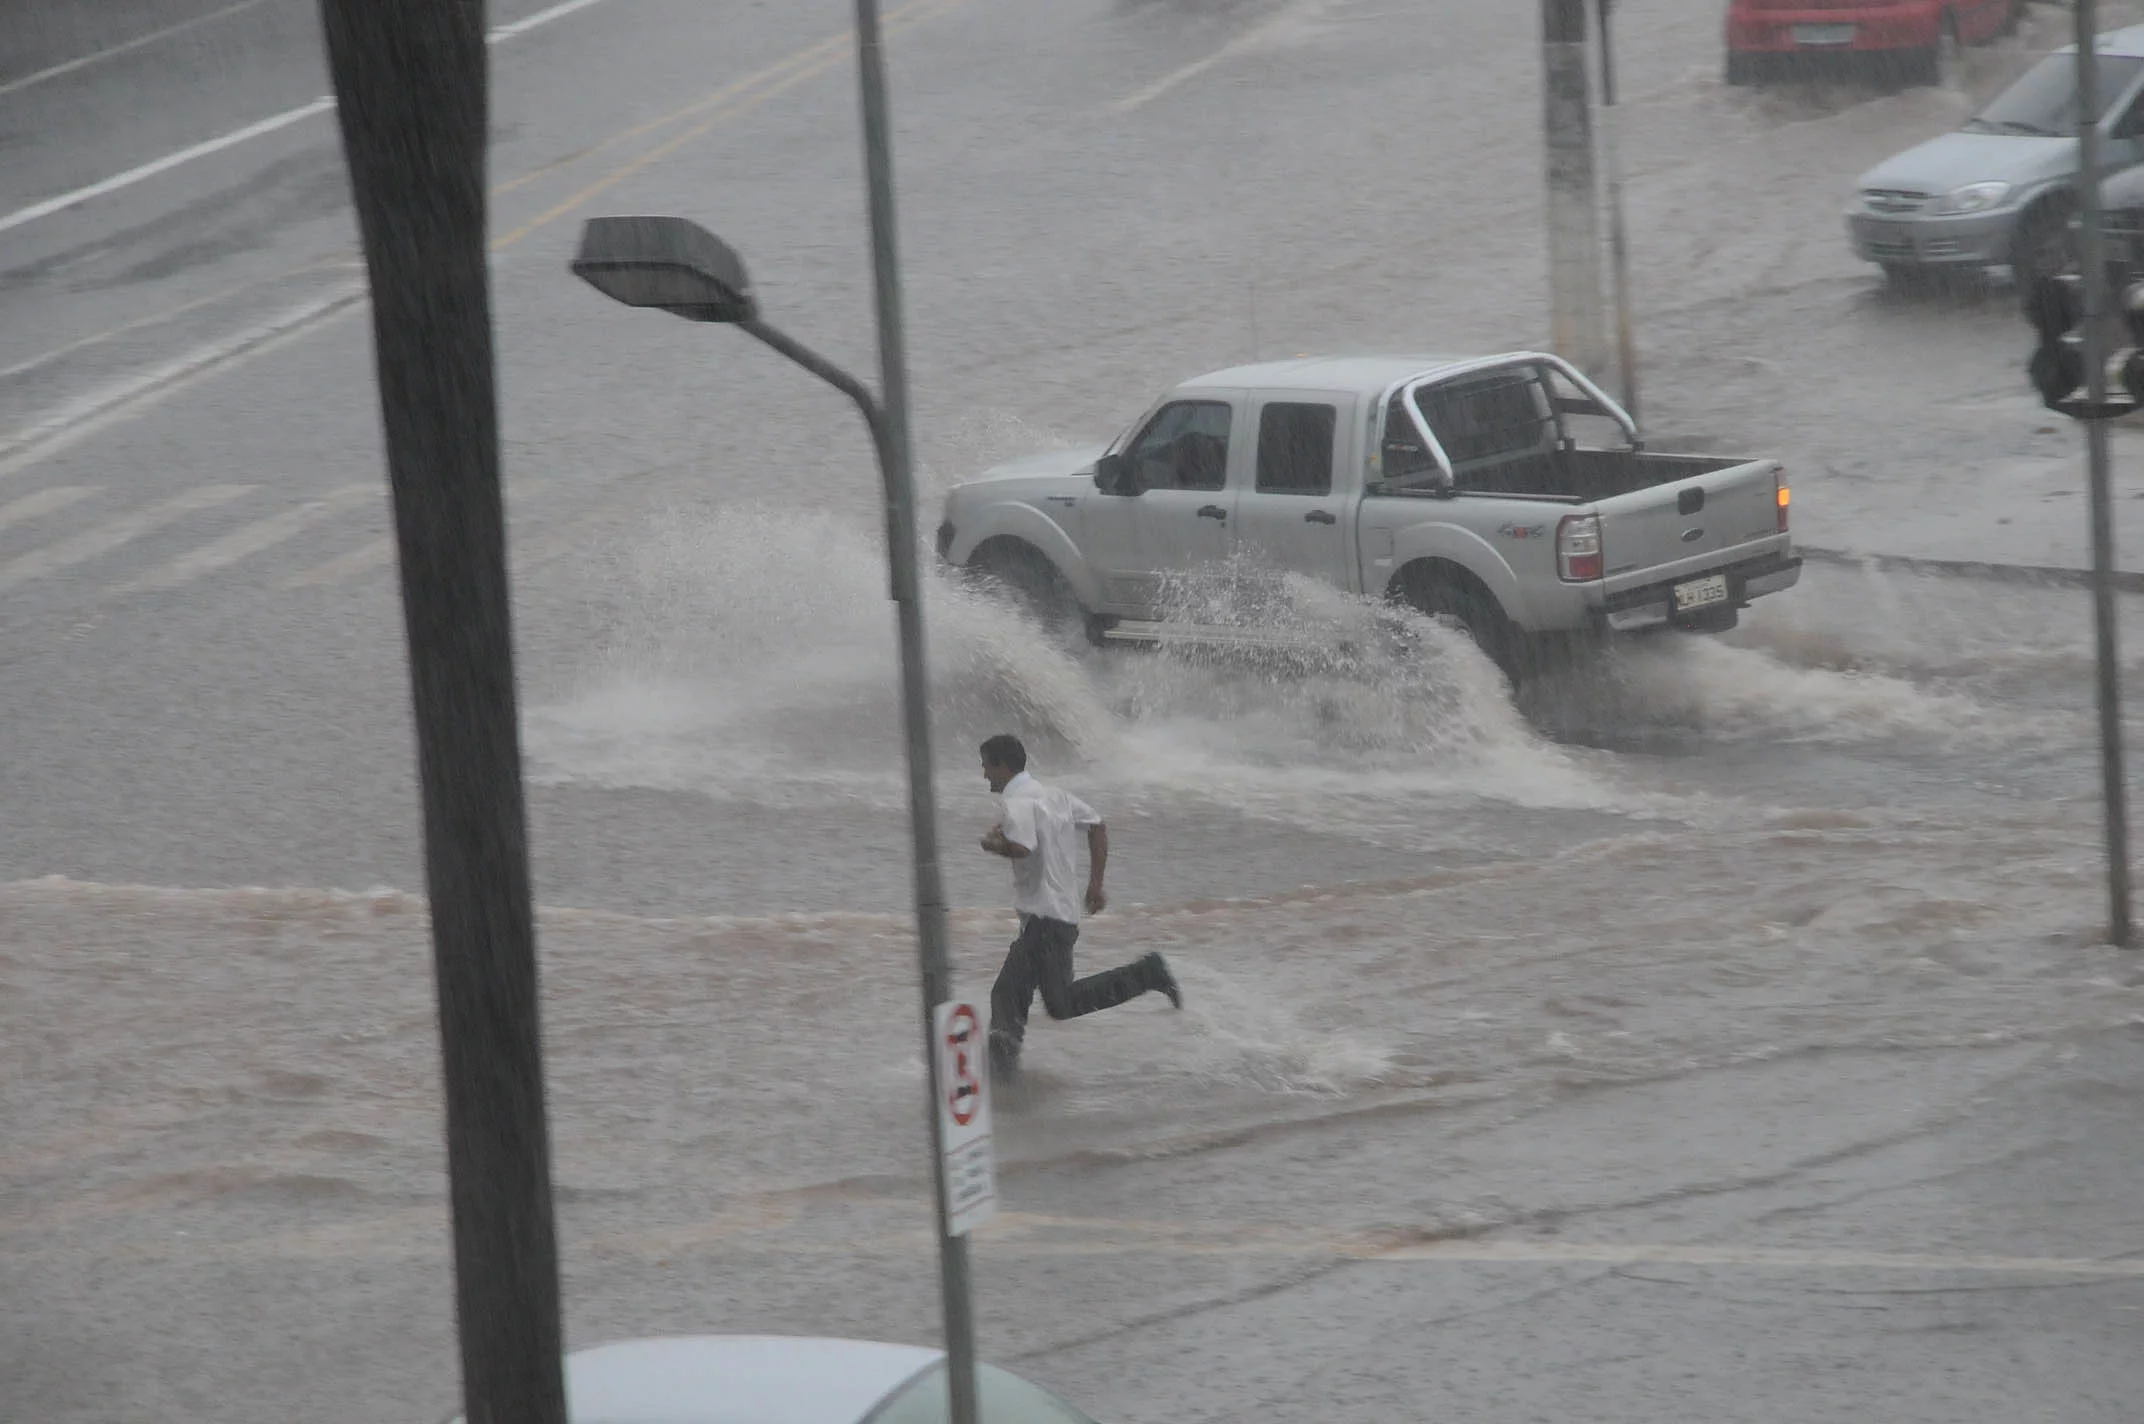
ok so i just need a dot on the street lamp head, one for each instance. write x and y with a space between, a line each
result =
669 263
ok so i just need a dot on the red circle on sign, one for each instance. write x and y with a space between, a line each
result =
963 1088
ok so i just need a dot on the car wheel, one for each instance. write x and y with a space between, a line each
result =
1477 616
1032 582
2043 246
1907 279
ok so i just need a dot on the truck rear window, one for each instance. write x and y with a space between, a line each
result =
1488 417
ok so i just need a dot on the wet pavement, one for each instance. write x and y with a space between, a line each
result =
1589 1055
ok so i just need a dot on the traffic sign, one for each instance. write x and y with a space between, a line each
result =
971 1192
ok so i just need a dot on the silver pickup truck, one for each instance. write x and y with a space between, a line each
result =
1456 485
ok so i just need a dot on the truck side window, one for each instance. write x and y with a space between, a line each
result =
1185 446
1295 448
1403 455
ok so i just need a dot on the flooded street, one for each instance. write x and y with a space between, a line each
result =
1719 1030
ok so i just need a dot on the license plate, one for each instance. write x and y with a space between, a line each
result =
1700 593
1823 34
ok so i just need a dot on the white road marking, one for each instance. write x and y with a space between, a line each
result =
112 534
83 415
376 554
84 61
536 21
258 129
1249 39
250 539
23 216
46 501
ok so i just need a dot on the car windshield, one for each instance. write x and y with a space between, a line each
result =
2044 98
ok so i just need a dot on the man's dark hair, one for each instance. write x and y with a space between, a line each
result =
1004 749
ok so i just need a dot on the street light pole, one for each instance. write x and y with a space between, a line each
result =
2113 788
896 459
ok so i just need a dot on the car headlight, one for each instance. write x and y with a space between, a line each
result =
1973 198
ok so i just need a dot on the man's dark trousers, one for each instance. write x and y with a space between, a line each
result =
1041 959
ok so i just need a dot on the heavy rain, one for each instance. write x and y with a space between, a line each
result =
1711 1023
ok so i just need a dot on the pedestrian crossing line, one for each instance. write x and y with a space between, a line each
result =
250 539
45 501
113 534
377 553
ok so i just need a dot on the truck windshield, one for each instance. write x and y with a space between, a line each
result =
2043 100
1489 417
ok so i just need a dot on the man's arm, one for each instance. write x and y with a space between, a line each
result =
1098 861
996 843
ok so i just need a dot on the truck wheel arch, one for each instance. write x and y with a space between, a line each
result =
1010 520
1437 587
1028 572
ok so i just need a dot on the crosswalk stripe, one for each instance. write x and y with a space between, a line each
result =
376 554
250 539
45 501
113 533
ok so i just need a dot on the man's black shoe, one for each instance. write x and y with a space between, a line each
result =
1004 1058
1159 977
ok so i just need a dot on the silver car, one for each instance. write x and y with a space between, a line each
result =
2000 190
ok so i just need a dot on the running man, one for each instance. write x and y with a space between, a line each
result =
1037 832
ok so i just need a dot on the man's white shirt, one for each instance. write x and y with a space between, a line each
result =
1050 824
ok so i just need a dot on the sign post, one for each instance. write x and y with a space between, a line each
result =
2113 786
963 1077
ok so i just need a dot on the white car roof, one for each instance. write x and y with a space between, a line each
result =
737 1379
1330 373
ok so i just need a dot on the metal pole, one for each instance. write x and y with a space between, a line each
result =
410 90
1574 240
915 693
1626 348
2113 787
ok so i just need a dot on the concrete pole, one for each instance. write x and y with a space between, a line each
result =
2113 786
1626 340
1574 238
410 89
898 463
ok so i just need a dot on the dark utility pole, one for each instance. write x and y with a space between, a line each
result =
1574 239
410 85
2113 790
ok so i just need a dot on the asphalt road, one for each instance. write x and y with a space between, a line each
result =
1724 1041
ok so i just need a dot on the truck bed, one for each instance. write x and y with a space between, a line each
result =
1583 476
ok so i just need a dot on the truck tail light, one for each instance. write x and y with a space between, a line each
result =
1783 495
1578 548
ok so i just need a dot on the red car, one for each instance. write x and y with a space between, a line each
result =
1914 40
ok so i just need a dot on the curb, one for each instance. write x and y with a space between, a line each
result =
2033 575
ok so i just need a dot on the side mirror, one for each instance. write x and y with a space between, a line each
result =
1113 476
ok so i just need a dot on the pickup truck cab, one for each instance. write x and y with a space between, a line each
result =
1453 484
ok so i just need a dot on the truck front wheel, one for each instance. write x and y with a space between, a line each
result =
1025 575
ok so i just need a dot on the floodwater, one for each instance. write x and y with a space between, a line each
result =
1861 827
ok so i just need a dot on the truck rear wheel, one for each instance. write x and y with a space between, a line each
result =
1477 615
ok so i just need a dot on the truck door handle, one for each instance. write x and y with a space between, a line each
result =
1213 511
1319 516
